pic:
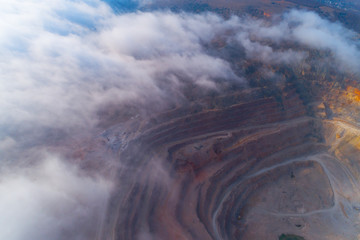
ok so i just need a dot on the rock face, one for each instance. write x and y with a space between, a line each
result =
246 165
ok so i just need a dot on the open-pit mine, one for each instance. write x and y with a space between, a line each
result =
251 164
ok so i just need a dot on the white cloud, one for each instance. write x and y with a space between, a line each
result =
307 29
319 33
68 57
50 200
